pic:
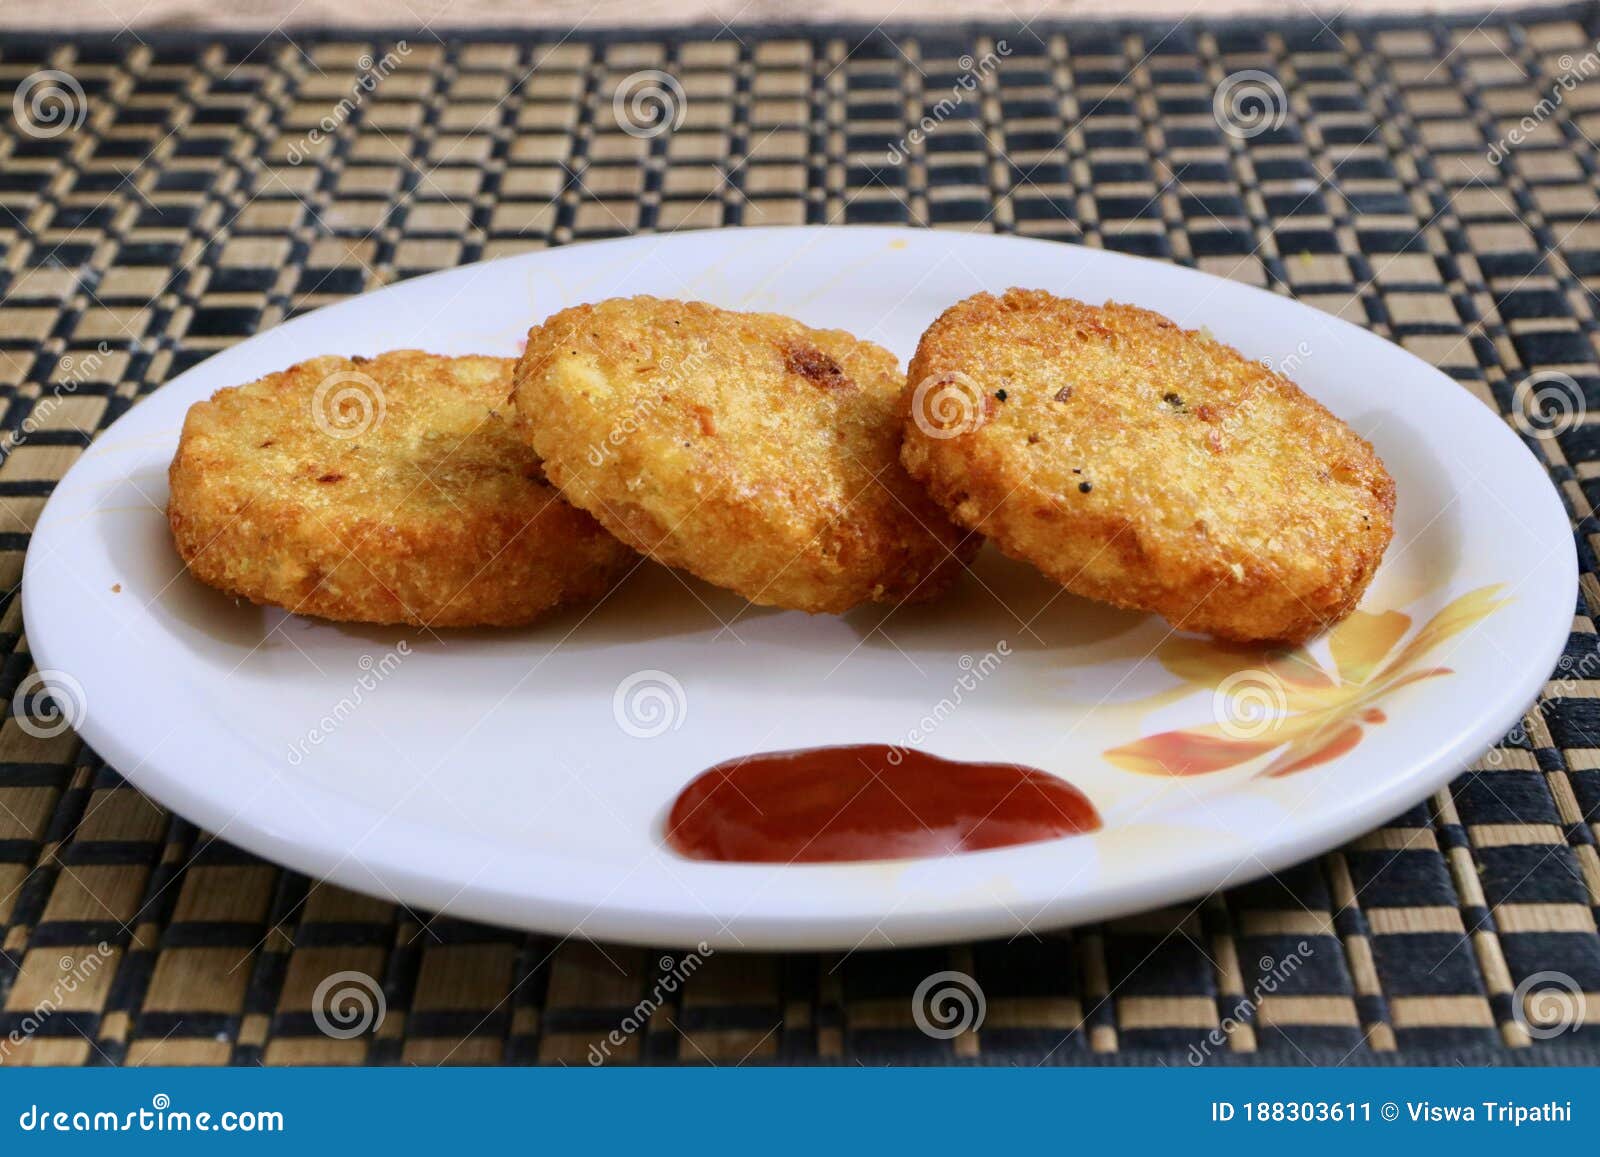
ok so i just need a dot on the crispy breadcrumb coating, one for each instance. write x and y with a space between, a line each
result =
1146 465
746 448
380 490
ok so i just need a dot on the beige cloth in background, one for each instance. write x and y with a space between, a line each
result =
264 15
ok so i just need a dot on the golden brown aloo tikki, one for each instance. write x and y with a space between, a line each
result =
381 490
1146 465
747 448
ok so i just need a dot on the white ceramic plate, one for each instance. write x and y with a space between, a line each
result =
520 777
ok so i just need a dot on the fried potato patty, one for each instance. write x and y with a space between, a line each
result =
1145 465
746 448
381 490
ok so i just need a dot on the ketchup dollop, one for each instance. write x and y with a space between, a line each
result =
868 801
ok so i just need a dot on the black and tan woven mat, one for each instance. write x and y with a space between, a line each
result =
1434 181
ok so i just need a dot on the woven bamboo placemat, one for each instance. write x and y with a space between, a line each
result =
174 220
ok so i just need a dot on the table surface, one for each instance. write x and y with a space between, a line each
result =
594 14
171 223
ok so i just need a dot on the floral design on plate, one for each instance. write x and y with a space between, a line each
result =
1264 700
